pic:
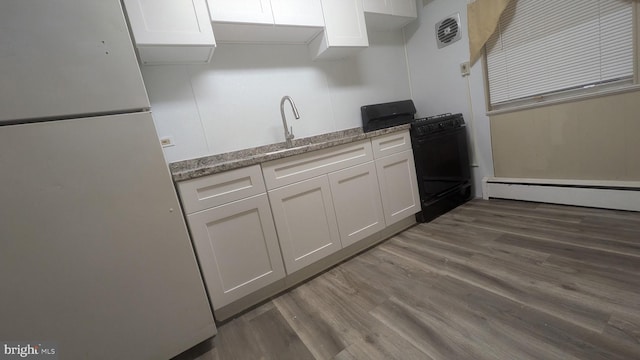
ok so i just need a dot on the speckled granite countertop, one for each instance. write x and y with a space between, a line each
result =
207 165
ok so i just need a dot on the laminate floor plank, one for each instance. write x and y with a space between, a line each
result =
382 344
276 339
499 280
604 214
545 330
550 232
573 251
625 327
534 212
494 279
424 329
342 317
564 297
445 236
600 233
600 273
503 337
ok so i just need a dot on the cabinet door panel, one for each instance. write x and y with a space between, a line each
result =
356 197
306 222
170 31
237 247
377 6
161 22
297 12
404 8
345 24
245 11
398 186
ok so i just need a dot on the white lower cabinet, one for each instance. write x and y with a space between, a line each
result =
306 222
356 198
398 186
237 248
338 199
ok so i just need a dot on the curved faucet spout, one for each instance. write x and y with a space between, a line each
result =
288 133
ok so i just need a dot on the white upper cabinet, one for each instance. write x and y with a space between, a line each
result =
171 31
297 12
345 30
266 21
389 14
243 11
404 8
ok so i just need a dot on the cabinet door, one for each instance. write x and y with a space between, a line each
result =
297 12
306 222
356 197
237 247
344 23
170 32
398 186
170 22
245 11
404 8
377 6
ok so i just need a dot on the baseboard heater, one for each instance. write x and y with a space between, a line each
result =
619 195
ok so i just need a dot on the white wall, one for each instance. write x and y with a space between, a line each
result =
437 85
234 102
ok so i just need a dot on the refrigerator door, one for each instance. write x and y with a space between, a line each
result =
94 251
64 58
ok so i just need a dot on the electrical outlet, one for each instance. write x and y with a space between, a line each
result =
465 68
167 141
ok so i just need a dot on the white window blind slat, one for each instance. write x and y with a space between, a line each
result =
544 46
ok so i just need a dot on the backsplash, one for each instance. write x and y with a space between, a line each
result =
234 102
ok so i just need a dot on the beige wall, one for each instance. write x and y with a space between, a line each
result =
594 139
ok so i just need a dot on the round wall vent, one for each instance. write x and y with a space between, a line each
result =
448 31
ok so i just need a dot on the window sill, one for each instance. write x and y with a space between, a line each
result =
568 99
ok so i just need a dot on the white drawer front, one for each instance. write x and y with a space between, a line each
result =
391 144
218 189
290 170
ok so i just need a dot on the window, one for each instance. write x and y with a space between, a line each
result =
543 48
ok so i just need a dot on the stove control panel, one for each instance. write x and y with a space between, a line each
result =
434 124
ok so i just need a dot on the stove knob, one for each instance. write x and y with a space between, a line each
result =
441 125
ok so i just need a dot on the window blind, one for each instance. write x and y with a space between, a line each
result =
544 46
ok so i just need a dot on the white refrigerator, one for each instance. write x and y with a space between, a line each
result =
95 257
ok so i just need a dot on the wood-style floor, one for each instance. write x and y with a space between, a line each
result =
489 280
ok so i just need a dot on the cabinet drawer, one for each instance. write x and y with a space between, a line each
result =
301 167
214 190
391 144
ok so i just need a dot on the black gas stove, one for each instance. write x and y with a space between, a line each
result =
440 153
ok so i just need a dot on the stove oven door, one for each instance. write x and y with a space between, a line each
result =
442 163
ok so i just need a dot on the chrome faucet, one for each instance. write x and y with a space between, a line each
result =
288 134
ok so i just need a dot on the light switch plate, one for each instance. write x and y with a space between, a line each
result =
465 68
